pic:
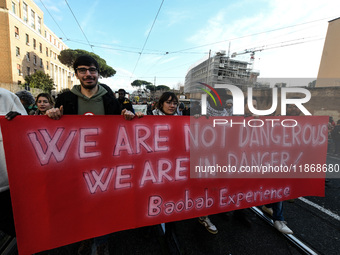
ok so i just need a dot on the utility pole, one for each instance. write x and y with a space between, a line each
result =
208 67
154 89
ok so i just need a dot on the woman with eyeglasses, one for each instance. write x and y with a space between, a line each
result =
167 104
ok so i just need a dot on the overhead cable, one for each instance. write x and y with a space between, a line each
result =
147 38
53 19
79 25
244 36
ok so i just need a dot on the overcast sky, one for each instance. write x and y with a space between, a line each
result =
158 41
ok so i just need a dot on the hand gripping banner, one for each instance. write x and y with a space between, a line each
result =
86 176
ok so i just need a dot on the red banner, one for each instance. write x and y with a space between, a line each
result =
86 176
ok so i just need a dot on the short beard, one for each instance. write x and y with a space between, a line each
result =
89 86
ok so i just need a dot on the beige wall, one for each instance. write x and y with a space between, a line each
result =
329 70
15 88
5 54
43 46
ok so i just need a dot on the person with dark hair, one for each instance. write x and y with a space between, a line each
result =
336 137
167 104
292 110
44 102
275 210
186 110
214 110
124 102
85 60
247 112
195 109
180 109
218 109
89 98
27 101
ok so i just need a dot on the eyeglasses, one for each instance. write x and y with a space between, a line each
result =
171 103
92 70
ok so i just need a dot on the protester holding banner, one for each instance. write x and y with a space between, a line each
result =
91 176
89 98
336 137
180 109
27 101
275 210
167 104
44 102
124 102
10 106
214 110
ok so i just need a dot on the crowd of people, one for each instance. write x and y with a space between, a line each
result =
333 137
93 98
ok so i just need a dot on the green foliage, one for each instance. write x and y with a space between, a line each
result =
162 87
151 87
312 84
68 56
139 83
40 80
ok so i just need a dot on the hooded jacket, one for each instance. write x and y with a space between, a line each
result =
69 101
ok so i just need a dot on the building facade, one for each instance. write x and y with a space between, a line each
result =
329 70
221 69
27 45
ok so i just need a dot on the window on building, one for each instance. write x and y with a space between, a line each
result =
27 39
55 42
14 8
25 16
19 69
28 56
28 70
35 60
39 25
40 47
50 38
47 65
35 70
16 32
34 44
32 19
17 51
46 52
41 63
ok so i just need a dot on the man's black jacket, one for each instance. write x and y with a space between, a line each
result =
69 101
